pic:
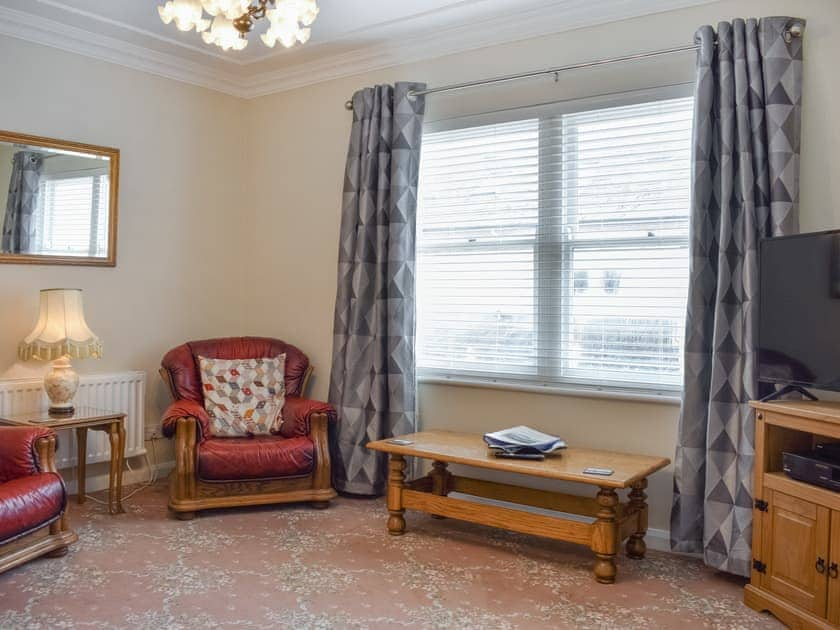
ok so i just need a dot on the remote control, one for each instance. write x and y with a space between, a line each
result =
604 472
399 442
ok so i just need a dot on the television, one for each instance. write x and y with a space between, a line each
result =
799 311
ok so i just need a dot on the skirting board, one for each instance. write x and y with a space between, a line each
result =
659 539
95 483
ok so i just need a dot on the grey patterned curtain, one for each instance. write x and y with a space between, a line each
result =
745 187
21 204
372 384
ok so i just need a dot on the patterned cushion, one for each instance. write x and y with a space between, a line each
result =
243 396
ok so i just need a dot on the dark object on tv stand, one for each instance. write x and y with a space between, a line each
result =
789 389
813 468
828 450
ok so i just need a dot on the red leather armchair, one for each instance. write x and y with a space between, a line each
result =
215 472
33 499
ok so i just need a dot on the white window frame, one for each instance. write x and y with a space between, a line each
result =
557 252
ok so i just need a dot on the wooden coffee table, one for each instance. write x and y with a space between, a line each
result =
610 521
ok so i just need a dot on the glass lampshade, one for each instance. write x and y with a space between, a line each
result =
285 22
231 9
187 15
308 12
61 329
224 34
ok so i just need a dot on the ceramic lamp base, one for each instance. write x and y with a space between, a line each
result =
61 383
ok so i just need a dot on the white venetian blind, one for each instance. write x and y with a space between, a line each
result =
72 217
554 250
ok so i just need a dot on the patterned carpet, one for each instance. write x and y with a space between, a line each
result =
295 567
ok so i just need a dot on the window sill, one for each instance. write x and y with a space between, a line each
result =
665 398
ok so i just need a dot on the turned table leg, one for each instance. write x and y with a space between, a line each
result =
396 481
440 481
636 546
605 536
81 461
121 434
116 436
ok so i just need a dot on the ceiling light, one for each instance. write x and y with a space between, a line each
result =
288 20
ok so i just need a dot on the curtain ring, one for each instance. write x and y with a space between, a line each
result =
793 30
348 105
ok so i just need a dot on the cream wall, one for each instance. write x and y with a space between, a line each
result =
180 203
299 141
7 153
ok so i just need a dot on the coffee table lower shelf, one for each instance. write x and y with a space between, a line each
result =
613 522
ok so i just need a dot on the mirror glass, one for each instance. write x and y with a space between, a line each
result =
57 201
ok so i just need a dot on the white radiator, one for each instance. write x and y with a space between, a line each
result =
120 391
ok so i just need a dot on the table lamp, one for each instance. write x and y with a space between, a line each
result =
61 334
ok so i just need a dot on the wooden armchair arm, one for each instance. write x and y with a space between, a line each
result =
45 448
319 434
185 476
298 413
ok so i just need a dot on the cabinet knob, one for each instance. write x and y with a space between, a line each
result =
821 565
759 415
833 571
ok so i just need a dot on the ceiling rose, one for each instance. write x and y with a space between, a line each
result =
229 21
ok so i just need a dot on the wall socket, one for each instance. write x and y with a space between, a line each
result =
153 432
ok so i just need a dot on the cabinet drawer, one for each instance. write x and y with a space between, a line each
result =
795 536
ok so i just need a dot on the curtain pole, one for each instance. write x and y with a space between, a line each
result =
794 30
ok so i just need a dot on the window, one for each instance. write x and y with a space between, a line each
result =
554 250
72 217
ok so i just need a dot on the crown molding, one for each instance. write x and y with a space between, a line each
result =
47 32
549 19
170 41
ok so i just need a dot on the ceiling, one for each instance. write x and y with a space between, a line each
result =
349 36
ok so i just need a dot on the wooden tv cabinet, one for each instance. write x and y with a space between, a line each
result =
796 525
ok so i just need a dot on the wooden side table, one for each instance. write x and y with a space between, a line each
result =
84 418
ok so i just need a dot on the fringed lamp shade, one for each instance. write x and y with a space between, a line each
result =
61 329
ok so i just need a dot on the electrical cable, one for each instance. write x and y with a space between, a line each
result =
152 476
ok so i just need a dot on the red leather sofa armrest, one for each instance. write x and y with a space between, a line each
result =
185 409
18 457
297 413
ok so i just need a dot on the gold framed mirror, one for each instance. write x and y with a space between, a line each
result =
58 201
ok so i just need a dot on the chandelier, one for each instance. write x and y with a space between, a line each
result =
232 20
